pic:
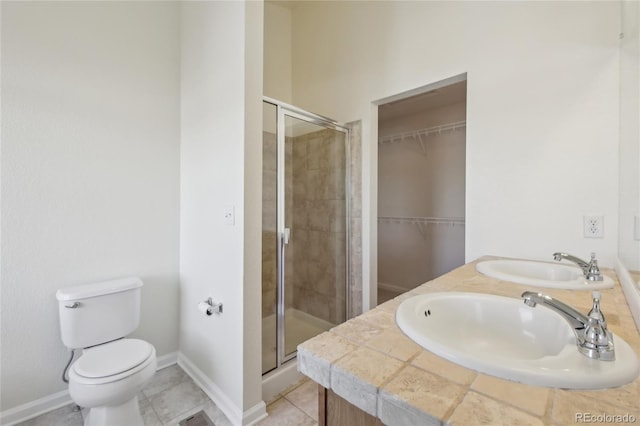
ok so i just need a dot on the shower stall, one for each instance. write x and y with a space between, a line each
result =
305 230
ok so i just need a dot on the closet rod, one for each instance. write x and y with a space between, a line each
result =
422 220
420 133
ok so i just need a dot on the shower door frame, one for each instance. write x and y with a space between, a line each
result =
283 110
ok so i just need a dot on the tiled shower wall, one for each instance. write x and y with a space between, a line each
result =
269 224
316 204
318 211
355 220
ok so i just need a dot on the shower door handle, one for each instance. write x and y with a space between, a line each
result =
286 236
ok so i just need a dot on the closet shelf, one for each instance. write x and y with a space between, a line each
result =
422 222
420 135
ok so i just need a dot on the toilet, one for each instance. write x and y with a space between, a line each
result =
112 369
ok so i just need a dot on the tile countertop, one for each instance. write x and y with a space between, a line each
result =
369 362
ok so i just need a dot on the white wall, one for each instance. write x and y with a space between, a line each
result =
278 81
90 168
253 406
417 182
542 112
221 110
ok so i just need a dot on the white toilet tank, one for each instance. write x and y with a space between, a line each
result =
97 313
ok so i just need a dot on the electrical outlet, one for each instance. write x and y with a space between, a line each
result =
636 228
593 226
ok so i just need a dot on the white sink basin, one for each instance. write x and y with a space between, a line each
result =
541 274
504 337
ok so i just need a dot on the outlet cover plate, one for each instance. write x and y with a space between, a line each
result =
593 226
229 215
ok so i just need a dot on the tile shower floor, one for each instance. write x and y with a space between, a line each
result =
298 328
386 295
171 396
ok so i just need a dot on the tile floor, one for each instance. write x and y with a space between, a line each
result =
296 406
171 396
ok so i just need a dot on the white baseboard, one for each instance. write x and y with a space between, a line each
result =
34 408
167 360
254 414
235 415
48 403
392 287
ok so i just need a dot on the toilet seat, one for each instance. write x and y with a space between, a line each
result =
112 361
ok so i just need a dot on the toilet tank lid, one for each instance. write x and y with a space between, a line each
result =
98 289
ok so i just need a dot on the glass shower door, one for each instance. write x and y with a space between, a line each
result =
305 231
313 230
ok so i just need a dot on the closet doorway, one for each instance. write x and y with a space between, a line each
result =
421 187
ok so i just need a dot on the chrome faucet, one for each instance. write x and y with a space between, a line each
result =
592 337
589 269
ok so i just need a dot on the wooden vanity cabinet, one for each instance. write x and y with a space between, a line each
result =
334 410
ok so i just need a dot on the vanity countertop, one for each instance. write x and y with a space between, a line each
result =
369 362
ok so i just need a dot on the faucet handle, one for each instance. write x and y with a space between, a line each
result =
596 312
598 341
593 272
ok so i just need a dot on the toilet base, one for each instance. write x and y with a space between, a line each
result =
125 414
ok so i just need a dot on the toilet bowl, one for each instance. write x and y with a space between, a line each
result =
112 369
107 379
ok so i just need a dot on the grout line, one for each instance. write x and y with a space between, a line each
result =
274 401
302 409
156 414
293 387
